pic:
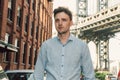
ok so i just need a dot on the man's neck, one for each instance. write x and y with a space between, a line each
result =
63 37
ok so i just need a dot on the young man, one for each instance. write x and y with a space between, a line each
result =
64 56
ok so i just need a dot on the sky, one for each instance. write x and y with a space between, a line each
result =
114 43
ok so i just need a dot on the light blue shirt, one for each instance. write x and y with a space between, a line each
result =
64 61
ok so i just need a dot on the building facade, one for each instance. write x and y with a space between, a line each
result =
24 25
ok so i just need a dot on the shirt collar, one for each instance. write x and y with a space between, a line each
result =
69 39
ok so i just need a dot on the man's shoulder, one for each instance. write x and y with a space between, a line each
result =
50 40
78 40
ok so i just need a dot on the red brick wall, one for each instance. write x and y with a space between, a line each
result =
44 24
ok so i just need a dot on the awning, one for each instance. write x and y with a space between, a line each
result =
1 45
12 48
7 47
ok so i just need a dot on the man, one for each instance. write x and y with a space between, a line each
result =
64 56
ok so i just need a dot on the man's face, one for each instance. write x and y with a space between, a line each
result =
62 23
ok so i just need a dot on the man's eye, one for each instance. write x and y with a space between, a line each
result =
56 20
64 19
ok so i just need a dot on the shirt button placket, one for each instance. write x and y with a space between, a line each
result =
62 64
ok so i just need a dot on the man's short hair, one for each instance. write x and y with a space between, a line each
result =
63 9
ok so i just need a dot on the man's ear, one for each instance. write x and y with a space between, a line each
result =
71 23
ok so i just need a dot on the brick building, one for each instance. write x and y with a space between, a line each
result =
24 25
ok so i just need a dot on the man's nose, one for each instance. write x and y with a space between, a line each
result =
60 22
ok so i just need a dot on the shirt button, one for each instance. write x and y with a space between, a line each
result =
61 65
62 55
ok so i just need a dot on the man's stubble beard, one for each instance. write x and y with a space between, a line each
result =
64 32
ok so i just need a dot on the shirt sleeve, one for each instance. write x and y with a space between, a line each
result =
87 66
40 64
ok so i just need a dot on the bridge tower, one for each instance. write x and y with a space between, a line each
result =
102 4
101 40
102 43
82 9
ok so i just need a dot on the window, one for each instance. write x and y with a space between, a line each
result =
0 7
26 23
41 35
6 54
33 5
9 10
23 53
27 1
6 38
37 32
32 25
33 54
37 8
16 53
19 16
0 3
30 55
35 58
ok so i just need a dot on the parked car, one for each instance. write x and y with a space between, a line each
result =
113 78
33 78
19 74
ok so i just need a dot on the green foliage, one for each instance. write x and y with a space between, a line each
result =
100 75
3 75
